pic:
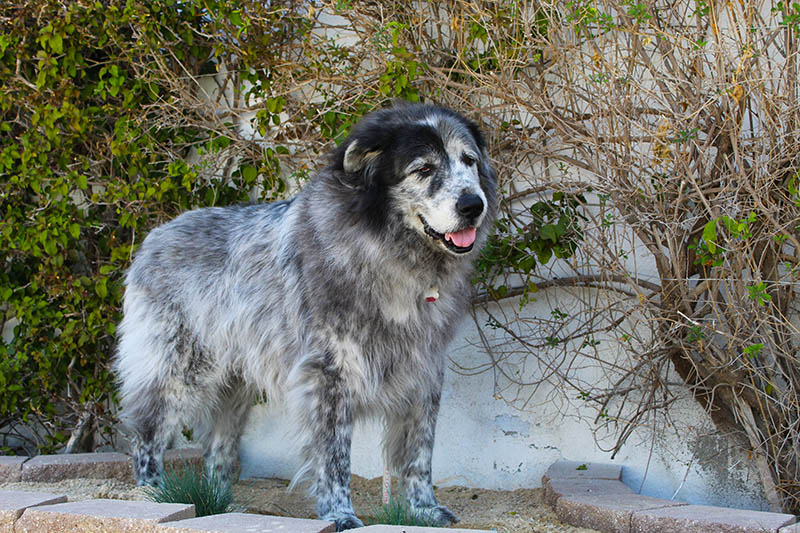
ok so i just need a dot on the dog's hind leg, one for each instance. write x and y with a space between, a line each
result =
409 448
153 385
155 423
222 441
325 413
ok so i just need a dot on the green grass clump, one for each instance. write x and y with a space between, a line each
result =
399 513
193 485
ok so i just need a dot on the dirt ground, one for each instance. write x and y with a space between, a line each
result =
520 510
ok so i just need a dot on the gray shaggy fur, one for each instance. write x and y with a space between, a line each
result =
318 301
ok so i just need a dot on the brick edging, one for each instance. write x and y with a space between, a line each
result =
103 465
592 495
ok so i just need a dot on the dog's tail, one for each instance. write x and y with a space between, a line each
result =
302 474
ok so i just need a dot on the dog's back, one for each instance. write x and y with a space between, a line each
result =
197 285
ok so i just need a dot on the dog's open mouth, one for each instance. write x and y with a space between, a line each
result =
459 242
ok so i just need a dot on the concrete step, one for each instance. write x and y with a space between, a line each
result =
592 495
105 465
606 512
238 522
14 503
708 519
100 516
563 469
11 467
414 529
557 488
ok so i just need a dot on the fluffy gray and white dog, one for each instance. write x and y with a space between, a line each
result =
339 302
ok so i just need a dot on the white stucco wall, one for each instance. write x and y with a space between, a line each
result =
482 442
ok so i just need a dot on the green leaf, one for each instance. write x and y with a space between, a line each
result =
100 287
753 349
236 19
544 256
249 173
710 235
550 231
56 44
75 230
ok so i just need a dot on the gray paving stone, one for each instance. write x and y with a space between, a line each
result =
563 469
13 503
794 528
108 465
11 467
556 488
605 511
238 522
177 459
414 529
706 519
100 516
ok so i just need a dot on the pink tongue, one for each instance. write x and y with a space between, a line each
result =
462 238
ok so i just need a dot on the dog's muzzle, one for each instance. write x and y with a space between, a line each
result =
460 241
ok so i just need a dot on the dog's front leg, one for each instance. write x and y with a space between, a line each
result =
409 447
327 413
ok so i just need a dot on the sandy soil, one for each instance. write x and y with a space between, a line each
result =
520 510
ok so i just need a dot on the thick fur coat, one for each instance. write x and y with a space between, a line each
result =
339 302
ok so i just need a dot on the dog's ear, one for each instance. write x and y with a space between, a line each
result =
359 158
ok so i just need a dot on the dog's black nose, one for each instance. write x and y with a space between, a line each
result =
469 205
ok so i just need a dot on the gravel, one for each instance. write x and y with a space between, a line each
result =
521 510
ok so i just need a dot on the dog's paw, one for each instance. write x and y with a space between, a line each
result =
440 515
347 522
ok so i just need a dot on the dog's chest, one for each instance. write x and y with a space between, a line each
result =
395 357
405 303
406 299
387 369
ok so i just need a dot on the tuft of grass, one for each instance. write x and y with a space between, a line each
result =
398 513
191 484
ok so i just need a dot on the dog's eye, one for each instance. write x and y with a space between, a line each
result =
425 171
468 160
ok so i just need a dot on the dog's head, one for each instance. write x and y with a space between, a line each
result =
428 165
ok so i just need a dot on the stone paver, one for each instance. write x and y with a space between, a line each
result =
707 519
794 528
564 469
556 488
108 465
11 467
180 457
100 516
13 503
606 512
238 522
414 529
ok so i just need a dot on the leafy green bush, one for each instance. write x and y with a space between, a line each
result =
90 158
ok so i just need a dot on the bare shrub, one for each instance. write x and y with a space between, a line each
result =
650 146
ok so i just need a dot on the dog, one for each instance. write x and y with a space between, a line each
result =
339 301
